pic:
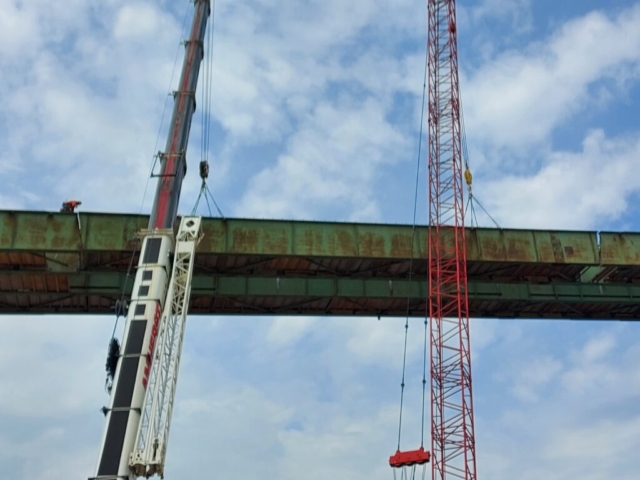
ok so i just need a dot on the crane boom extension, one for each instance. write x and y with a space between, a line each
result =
174 160
145 319
153 433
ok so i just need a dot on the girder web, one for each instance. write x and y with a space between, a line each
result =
452 430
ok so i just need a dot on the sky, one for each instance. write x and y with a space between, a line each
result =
315 114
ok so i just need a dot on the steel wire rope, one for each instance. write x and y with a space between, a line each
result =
207 88
120 304
413 233
205 136
409 473
472 198
204 190
471 202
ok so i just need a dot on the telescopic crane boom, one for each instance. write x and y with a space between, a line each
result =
139 414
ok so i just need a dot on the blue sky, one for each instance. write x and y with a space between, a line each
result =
315 115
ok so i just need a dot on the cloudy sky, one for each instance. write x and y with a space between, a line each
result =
315 115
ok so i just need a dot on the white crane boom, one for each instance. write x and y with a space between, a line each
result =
153 432
130 399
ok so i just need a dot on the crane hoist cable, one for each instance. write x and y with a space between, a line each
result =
206 88
205 136
406 461
468 177
472 200
204 191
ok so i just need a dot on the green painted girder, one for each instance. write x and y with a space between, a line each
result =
22 231
242 295
114 283
66 263
65 233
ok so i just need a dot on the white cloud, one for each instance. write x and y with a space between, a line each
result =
534 376
331 162
336 448
596 349
84 110
591 371
18 30
284 331
111 78
483 333
52 443
47 352
137 20
265 78
606 444
519 97
516 12
290 84
11 202
52 384
380 342
568 433
571 190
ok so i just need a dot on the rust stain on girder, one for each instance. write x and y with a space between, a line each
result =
51 231
520 249
312 240
244 240
401 246
532 246
620 248
56 232
371 245
8 229
102 230
214 237
344 242
272 239
502 246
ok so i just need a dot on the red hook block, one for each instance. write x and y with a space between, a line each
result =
407 459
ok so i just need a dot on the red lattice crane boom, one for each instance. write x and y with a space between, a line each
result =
452 430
